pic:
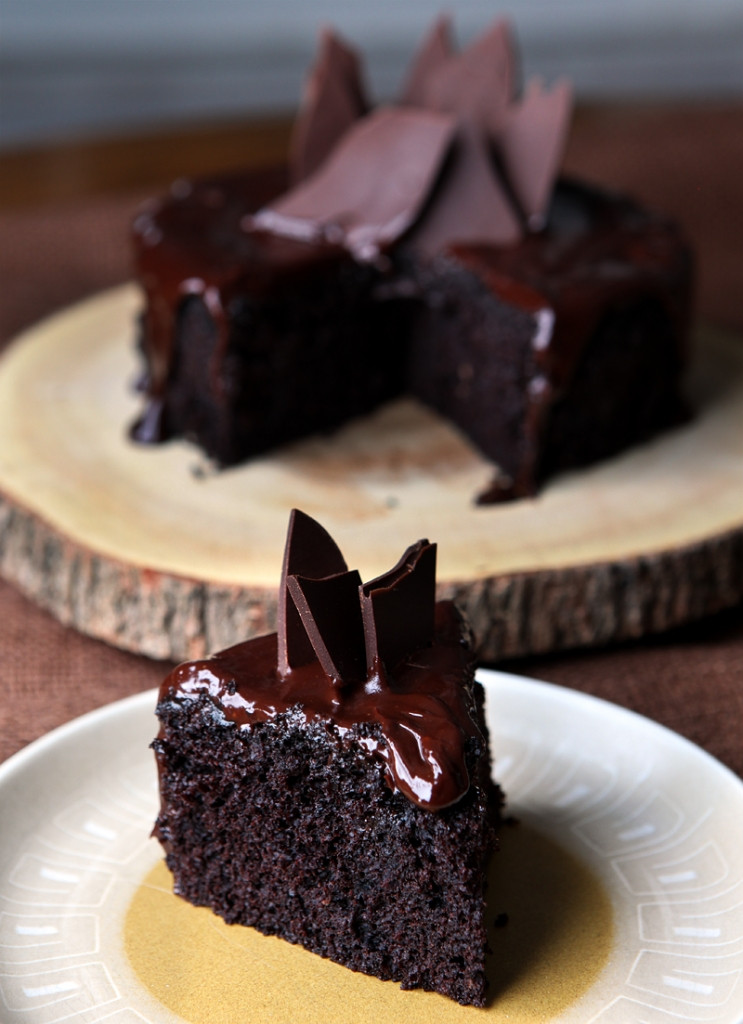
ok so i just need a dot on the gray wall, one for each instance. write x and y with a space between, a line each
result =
87 67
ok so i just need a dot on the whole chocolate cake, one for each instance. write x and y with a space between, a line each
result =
423 248
330 784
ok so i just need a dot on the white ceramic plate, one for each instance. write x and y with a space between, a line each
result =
657 820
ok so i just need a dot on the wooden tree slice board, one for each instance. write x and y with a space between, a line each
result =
153 551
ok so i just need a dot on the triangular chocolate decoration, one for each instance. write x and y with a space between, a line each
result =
471 206
476 84
531 143
331 616
398 608
354 199
334 98
366 181
310 551
433 53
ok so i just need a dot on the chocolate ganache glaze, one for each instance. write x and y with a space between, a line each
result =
381 663
598 255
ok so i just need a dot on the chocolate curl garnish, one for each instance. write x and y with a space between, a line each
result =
531 143
311 552
434 52
398 608
371 189
331 616
334 97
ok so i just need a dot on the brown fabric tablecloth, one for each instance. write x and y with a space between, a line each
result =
691 680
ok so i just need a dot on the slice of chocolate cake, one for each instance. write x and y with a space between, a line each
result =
426 248
330 784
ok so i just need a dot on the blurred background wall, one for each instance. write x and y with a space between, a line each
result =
85 68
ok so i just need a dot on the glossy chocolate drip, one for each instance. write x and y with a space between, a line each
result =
195 245
598 253
412 688
420 716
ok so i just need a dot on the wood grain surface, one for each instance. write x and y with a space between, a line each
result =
153 550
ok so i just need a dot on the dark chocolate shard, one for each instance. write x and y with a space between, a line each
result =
470 206
434 52
331 616
531 142
353 630
334 97
460 160
383 653
398 608
478 83
310 551
372 187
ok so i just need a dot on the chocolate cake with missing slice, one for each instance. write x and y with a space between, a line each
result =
423 248
330 784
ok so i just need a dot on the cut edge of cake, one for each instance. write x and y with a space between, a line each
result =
345 803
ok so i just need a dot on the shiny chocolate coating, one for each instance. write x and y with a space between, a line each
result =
419 714
197 243
597 252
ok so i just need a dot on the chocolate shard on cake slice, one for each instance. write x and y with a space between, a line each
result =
330 783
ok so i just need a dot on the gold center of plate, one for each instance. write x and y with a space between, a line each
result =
556 941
